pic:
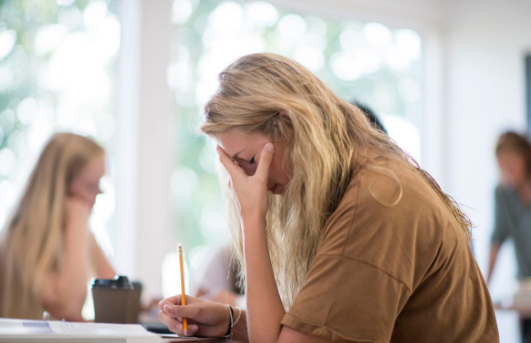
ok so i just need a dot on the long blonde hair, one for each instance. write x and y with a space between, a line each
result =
327 140
31 243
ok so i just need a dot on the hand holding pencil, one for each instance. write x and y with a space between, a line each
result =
204 318
187 316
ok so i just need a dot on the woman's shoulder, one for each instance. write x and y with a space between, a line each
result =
392 209
387 189
376 196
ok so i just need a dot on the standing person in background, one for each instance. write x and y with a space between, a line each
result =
513 206
46 248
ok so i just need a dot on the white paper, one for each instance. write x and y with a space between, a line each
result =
18 327
95 329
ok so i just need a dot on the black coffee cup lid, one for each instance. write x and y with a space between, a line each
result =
119 282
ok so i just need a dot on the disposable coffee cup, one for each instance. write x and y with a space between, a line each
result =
134 303
116 300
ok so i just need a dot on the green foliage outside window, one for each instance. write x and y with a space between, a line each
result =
369 62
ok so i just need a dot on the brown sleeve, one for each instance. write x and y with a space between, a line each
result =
346 300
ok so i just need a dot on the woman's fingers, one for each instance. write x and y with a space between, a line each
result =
172 324
170 301
192 329
176 325
176 300
189 311
228 163
265 162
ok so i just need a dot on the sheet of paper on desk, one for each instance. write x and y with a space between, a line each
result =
35 329
175 338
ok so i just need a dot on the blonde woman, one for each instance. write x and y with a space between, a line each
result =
342 237
46 249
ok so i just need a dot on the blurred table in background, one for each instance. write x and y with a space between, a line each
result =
194 339
150 317
523 308
520 302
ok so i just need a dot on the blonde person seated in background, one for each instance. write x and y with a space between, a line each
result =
46 248
218 279
342 236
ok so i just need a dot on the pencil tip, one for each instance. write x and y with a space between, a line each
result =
186 332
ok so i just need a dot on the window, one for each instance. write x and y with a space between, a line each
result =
368 62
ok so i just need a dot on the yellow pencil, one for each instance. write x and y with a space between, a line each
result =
183 296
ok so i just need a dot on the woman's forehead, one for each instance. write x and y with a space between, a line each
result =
508 155
94 168
234 142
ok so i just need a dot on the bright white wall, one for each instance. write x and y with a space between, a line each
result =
143 226
412 13
486 43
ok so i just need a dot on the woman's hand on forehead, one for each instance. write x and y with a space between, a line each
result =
250 192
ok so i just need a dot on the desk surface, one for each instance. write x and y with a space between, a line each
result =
523 308
211 340
151 318
220 340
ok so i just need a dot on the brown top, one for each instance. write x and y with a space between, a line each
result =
388 272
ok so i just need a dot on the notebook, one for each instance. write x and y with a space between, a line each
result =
21 330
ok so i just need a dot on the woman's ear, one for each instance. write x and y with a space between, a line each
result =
285 117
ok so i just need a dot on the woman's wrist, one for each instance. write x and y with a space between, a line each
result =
253 223
239 331
231 322
235 316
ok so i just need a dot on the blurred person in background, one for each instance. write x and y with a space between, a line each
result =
218 278
47 251
373 118
513 206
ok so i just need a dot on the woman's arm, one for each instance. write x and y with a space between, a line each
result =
210 319
100 264
494 249
66 290
503 224
264 307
